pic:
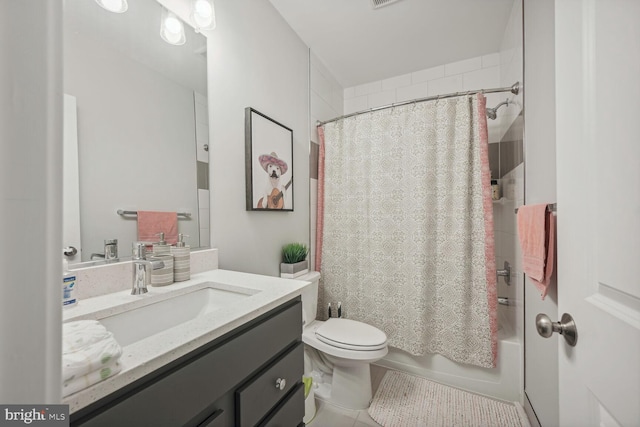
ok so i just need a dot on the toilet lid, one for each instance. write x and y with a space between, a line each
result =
351 335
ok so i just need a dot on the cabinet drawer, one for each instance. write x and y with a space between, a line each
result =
289 412
173 395
260 394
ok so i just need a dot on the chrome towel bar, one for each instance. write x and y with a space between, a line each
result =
551 207
122 212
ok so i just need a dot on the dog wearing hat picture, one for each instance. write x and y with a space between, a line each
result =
275 192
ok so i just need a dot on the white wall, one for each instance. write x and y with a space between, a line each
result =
132 156
30 201
255 60
541 355
327 99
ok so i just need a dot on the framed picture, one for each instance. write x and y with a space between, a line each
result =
268 163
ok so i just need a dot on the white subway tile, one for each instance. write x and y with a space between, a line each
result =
463 66
491 60
358 103
396 82
350 92
382 98
313 130
205 239
408 93
203 198
445 85
484 78
204 218
427 74
368 88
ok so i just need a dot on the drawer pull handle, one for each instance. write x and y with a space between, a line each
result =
281 383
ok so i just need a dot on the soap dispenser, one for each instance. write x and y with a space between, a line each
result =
162 252
181 259
161 247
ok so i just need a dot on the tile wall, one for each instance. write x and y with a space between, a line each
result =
202 158
481 72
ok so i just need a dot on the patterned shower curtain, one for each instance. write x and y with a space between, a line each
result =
405 226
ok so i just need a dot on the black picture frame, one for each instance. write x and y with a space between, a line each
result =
268 163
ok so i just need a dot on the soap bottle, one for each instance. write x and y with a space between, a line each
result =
161 247
69 284
495 190
181 259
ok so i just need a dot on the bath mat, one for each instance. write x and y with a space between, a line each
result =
403 400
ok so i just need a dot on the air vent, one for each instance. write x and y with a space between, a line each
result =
377 4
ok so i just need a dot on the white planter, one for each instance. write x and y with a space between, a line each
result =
291 271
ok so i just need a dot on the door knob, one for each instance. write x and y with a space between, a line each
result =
69 251
565 327
281 383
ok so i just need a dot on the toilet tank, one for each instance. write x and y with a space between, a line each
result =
309 297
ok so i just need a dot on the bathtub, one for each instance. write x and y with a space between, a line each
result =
504 382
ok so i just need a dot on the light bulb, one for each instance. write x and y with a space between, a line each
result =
203 14
172 25
116 6
203 9
171 28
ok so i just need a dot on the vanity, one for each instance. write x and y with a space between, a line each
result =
222 349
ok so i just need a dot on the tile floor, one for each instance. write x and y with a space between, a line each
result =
328 415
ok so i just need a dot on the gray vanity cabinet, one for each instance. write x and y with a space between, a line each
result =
251 376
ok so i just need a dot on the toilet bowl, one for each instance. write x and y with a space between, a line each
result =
349 345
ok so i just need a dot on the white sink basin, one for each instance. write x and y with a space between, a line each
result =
159 315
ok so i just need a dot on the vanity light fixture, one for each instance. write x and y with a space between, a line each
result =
115 6
203 14
171 28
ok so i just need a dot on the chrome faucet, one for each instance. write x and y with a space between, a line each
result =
110 250
142 269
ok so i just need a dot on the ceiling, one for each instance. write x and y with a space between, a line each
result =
359 44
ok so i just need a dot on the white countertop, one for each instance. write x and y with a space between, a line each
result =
149 354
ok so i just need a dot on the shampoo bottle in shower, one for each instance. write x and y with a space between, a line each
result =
495 189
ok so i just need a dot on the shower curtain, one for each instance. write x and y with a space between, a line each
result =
405 226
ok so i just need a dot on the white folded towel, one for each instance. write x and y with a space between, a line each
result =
81 382
88 347
81 333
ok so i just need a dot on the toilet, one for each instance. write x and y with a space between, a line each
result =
350 347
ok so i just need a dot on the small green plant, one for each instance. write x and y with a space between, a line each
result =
294 252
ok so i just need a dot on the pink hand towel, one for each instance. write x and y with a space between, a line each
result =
152 223
536 230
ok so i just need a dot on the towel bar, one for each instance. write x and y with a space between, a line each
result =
122 212
551 207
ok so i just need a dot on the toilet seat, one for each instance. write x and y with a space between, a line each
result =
351 335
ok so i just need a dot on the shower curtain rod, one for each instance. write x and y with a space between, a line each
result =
514 89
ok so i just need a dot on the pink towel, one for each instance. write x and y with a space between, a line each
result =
536 230
152 223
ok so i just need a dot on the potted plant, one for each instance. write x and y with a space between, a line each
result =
294 260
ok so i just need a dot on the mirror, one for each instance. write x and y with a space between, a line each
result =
141 125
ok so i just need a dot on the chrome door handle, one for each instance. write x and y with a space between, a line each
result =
69 251
565 327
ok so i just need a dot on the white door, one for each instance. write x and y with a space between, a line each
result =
598 162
